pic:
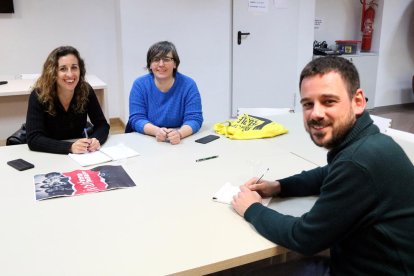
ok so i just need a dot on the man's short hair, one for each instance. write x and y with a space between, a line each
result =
324 65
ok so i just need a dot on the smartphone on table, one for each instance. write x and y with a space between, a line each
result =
20 164
207 139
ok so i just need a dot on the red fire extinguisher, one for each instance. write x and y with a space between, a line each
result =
367 23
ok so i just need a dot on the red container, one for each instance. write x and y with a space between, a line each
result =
347 47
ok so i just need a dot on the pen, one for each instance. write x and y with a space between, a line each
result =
206 158
260 178
3 82
86 133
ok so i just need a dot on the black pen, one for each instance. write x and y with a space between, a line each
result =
206 158
3 82
260 178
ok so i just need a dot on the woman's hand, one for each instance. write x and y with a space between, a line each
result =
161 134
174 136
81 145
94 145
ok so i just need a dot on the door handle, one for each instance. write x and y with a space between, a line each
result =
239 36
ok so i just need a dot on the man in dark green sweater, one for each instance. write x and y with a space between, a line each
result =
365 209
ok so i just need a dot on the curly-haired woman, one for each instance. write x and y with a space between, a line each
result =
60 104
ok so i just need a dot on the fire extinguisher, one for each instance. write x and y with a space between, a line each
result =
367 23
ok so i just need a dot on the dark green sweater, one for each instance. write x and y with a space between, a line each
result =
365 209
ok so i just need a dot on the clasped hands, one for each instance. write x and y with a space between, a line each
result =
171 135
85 145
252 192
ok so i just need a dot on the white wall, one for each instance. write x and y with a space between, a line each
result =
113 37
201 33
305 38
393 40
340 20
37 27
396 54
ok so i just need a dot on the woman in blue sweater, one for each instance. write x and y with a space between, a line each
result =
164 103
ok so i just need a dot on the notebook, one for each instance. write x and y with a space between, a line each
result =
105 154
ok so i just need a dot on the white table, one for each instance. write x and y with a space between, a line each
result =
14 99
167 224
298 141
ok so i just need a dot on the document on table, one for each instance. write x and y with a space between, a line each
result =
105 154
227 191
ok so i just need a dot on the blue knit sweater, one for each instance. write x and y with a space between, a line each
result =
181 105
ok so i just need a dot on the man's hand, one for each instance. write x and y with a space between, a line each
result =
244 199
265 188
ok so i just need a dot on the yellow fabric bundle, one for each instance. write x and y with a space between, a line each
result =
249 127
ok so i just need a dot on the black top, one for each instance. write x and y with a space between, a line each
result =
45 132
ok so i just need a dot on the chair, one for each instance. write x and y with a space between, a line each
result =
399 134
263 111
18 137
382 123
128 128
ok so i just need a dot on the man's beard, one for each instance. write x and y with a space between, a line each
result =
338 133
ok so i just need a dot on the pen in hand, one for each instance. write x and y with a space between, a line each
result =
87 137
260 178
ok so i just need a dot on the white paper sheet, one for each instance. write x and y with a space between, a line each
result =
105 154
227 191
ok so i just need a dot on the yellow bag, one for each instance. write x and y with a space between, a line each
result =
249 127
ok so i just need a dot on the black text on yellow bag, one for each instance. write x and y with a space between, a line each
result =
249 127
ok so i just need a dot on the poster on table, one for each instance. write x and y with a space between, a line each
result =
79 182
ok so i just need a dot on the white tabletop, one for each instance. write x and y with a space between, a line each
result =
298 141
167 224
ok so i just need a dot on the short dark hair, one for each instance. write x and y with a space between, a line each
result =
161 49
324 65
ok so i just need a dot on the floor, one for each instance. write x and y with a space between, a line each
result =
117 126
402 116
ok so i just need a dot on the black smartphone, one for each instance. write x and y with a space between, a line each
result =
20 164
207 139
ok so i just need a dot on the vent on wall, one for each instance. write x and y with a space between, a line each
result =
6 6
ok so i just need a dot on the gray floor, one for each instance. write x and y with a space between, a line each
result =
402 116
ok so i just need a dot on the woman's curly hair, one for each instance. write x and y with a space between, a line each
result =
46 84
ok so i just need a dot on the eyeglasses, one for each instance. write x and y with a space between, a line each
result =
164 59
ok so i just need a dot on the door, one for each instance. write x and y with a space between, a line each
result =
265 53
